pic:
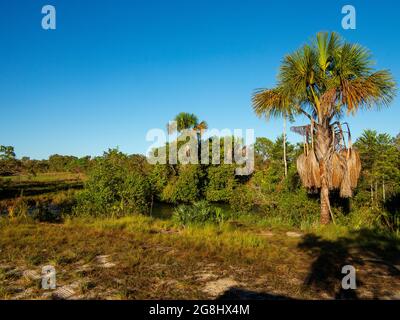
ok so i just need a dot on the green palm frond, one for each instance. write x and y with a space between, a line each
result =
353 61
378 89
322 47
297 71
270 103
184 121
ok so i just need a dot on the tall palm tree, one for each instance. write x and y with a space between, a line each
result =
321 81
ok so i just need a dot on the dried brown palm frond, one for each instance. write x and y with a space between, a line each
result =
302 169
353 165
313 170
336 171
345 187
352 172
363 92
353 162
201 127
328 99
308 169
272 103
301 130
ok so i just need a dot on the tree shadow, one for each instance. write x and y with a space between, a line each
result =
357 249
243 294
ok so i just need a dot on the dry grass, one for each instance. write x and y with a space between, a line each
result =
140 257
45 177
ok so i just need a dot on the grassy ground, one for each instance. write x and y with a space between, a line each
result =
24 192
30 186
141 257
44 177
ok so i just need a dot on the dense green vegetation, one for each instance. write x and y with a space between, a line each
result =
117 184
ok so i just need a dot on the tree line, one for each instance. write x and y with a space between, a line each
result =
11 165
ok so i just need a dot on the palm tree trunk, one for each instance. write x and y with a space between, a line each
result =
198 135
322 150
325 216
372 194
284 145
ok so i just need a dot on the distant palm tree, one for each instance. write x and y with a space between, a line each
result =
321 81
188 121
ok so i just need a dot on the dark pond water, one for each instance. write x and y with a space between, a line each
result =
162 210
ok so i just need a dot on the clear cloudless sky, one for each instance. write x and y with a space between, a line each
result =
112 70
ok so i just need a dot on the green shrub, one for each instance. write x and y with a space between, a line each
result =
186 187
199 212
159 177
266 180
221 181
136 193
367 217
292 208
168 193
243 199
113 190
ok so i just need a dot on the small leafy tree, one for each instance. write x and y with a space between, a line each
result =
221 182
187 186
9 165
114 189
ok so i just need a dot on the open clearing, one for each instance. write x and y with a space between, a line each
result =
140 257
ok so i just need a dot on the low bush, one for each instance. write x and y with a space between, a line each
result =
199 213
114 190
186 187
221 181
295 209
242 199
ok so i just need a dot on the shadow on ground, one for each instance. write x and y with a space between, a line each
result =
242 294
370 252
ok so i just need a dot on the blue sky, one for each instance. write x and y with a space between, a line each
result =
112 70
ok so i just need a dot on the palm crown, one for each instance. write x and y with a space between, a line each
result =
188 121
325 78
